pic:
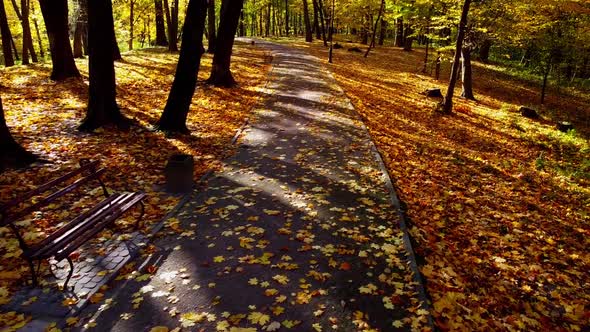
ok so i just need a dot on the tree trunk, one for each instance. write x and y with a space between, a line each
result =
13 155
425 66
467 77
211 27
322 22
185 80
408 40
484 50
399 33
131 18
372 44
115 47
6 38
14 48
102 104
308 32
173 33
267 26
383 32
316 20
27 45
448 102
241 30
55 14
160 30
331 31
287 18
545 76
220 71
40 41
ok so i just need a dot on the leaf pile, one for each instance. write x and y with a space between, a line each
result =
43 115
500 204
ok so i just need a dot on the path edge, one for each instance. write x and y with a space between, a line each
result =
394 198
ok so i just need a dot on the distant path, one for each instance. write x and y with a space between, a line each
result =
299 226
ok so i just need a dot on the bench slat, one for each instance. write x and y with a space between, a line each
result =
43 202
87 221
46 186
71 224
134 198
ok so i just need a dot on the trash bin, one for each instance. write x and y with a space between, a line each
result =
179 173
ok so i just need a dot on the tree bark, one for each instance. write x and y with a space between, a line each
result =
212 38
399 33
467 77
407 39
316 20
448 102
81 30
131 18
322 22
13 155
160 30
55 14
287 18
185 80
173 33
308 32
23 16
102 104
545 77
383 32
484 50
220 72
6 37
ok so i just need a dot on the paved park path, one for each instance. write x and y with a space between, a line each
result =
298 232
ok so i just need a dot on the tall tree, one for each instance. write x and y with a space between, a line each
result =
287 18
322 21
372 44
316 23
160 29
55 15
466 71
185 80
102 104
308 32
211 27
230 16
6 37
81 30
13 155
23 16
448 102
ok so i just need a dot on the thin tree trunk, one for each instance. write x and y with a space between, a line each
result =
308 33
383 32
331 31
425 66
399 32
316 20
322 22
55 14
185 80
545 77
212 40
407 39
241 32
287 18
220 70
6 38
36 25
14 48
372 44
131 19
102 103
173 40
267 27
484 50
160 30
13 155
467 77
27 45
448 102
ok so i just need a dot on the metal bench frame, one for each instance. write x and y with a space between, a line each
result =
69 237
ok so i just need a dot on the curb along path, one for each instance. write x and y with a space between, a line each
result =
297 231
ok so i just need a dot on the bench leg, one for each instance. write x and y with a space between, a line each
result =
138 222
69 274
33 273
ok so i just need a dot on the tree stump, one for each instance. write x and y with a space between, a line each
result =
434 93
528 113
355 49
564 126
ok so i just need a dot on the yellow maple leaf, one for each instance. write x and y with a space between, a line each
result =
72 321
277 310
258 318
281 279
218 259
96 298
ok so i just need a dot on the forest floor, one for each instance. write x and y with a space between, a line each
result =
500 204
43 116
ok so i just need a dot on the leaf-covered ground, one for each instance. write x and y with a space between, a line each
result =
500 204
43 116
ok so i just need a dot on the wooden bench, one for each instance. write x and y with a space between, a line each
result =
69 237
